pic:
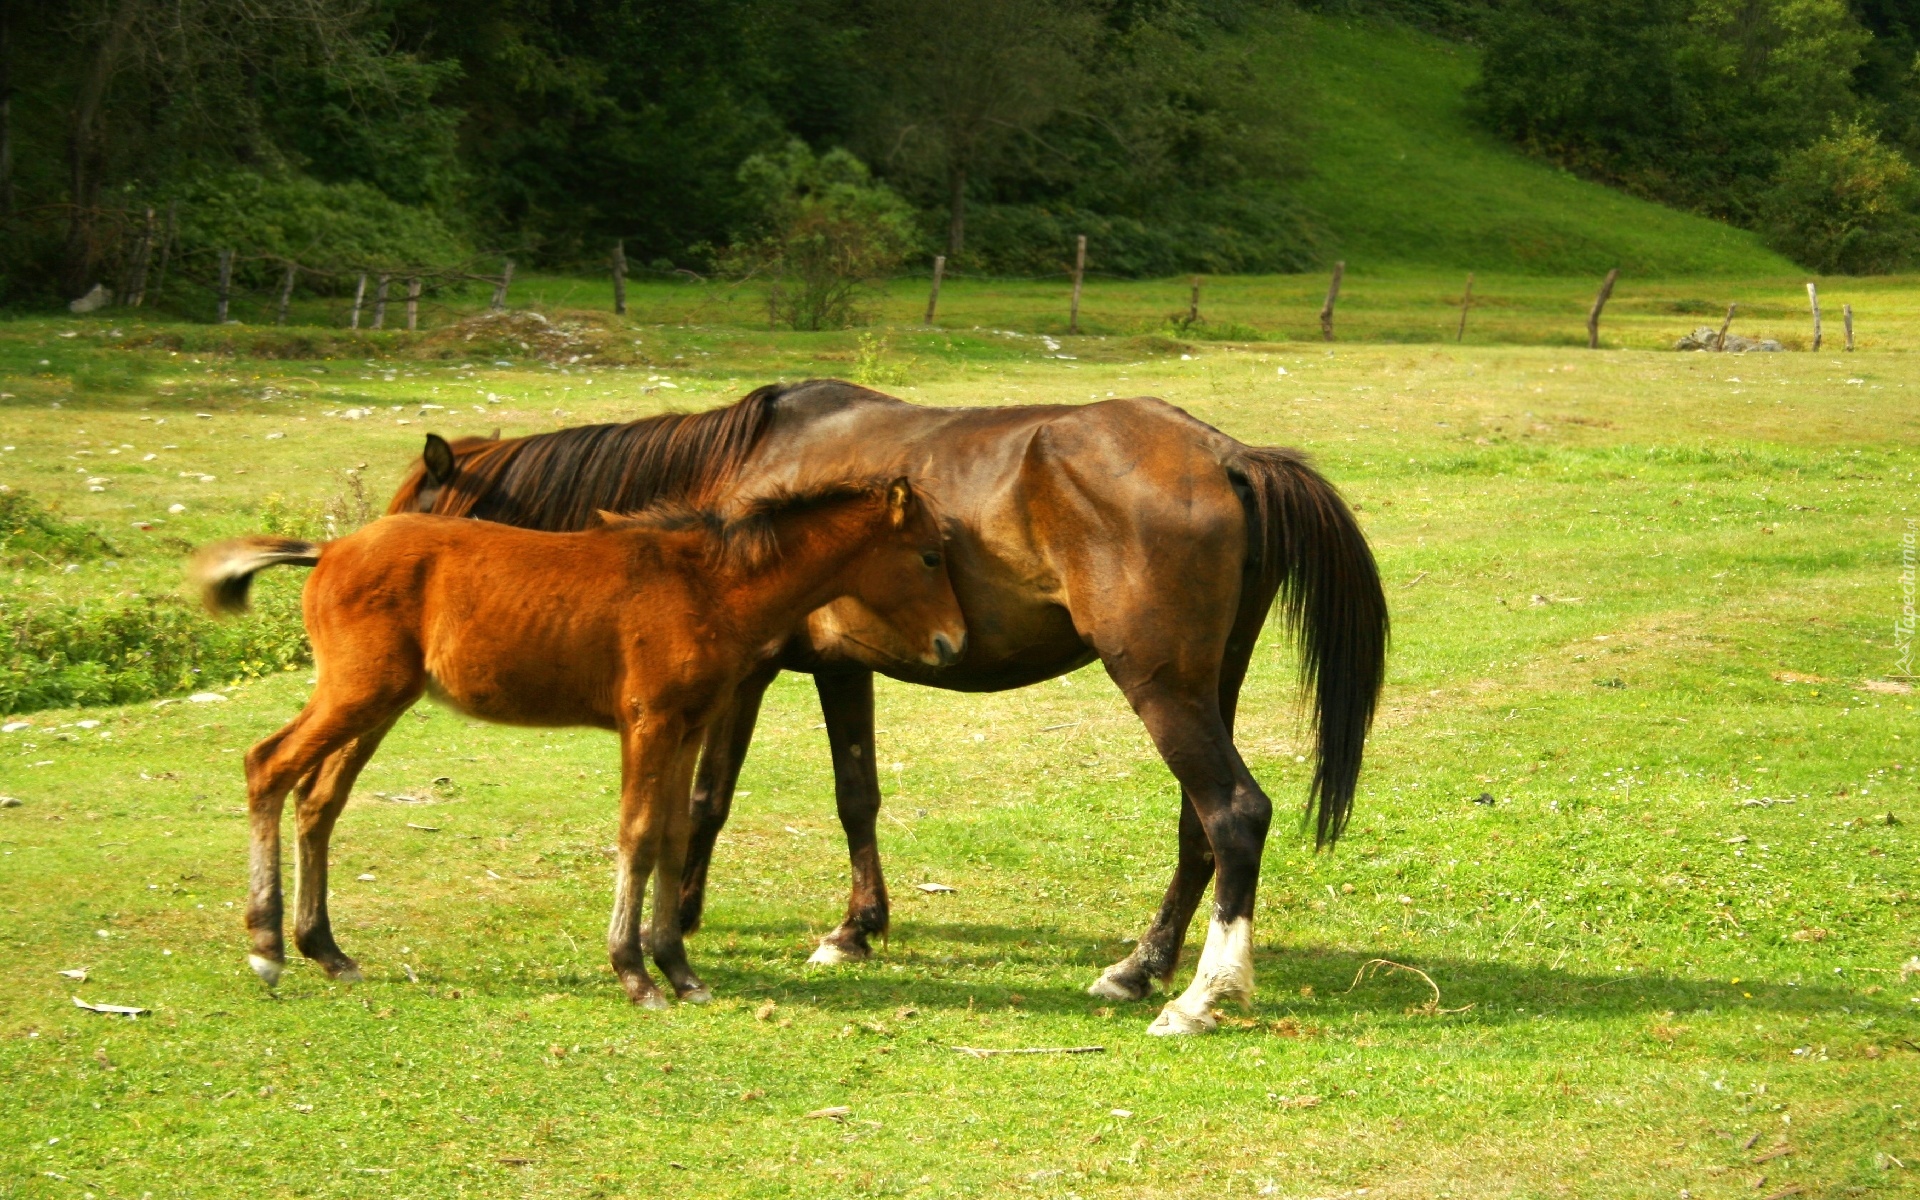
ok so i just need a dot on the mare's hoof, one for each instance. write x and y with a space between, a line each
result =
698 995
830 952
1117 984
348 972
1174 1021
267 969
654 1001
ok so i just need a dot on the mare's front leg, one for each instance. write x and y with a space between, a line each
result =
318 805
846 700
726 749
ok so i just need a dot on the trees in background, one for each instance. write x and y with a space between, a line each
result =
1793 117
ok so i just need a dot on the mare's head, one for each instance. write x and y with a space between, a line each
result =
438 465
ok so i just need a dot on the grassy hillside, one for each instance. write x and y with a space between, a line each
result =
1401 175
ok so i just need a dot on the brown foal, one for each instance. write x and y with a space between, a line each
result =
644 625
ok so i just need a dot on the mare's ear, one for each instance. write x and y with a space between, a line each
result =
899 501
438 457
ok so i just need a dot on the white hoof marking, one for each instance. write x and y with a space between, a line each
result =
1108 987
828 954
1174 1021
267 969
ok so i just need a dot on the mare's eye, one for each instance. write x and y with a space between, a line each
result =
930 558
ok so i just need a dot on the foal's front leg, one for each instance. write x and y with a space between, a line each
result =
657 756
666 938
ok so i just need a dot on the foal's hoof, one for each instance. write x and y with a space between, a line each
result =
1174 1021
830 952
653 1001
697 995
1120 983
267 969
344 971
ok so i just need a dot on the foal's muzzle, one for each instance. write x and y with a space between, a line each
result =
946 651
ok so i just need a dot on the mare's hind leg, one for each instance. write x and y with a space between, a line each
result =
317 806
726 749
1157 954
274 765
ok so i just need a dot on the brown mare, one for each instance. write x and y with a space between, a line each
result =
1125 531
645 625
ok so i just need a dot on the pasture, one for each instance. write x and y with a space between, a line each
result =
1644 606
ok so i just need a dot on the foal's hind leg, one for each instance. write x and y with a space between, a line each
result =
274 765
653 792
316 809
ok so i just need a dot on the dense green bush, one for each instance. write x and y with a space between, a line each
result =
1846 204
830 233
340 227
121 651
33 533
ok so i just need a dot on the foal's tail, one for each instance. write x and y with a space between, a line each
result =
224 571
1305 546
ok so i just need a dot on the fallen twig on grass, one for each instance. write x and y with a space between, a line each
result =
1430 1009
978 1052
117 1010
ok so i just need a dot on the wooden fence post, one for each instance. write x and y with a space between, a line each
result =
166 247
1846 320
933 296
500 289
1333 294
1193 303
286 294
1813 300
413 303
226 286
1599 302
1079 274
137 282
1466 302
380 302
620 278
1720 343
359 294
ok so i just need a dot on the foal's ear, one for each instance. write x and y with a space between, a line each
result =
438 457
899 501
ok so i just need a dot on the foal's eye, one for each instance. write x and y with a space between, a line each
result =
930 558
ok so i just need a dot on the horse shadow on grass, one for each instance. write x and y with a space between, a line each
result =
957 966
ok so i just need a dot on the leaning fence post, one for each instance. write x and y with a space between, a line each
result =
1846 320
137 283
1079 275
166 248
1599 302
1720 343
413 303
226 285
286 294
933 296
380 302
359 294
500 289
619 279
1333 294
1466 302
1813 300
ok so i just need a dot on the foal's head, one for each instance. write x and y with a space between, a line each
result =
897 571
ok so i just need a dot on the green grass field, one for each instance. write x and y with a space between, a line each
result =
1645 601
1400 174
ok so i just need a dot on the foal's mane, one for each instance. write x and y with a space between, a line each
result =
561 480
747 539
